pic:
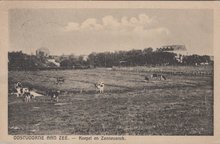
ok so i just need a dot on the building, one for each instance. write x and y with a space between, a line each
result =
54 62
42 52
180 50
85 57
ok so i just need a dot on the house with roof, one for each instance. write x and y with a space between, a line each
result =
179 50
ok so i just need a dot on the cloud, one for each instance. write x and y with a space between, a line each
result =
91 24
144 19
110 22
139 24
72 26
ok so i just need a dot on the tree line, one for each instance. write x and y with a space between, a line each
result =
146 57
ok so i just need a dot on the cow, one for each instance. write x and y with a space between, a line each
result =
54 95
154 76
157 76
25 92
20 90
60 80
100 87
27 97
146 78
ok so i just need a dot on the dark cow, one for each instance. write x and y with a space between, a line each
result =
27 97
154 75
157 76
146 78
60 80
54 95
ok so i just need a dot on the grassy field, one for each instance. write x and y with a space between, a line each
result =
180 105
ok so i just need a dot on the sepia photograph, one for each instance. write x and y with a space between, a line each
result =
110 72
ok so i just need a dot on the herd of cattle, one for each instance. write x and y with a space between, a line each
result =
28 93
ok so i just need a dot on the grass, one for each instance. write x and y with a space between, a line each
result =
181 105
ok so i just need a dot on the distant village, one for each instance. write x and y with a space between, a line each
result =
165 55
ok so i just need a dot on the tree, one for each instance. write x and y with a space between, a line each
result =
148 50
66 63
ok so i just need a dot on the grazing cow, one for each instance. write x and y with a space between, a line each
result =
60 80
100 87
26 93
157 76
154 75
27 97
54 95
146 78
21 90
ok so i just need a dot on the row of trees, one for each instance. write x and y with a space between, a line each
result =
21 61
196 59
146 57
132 58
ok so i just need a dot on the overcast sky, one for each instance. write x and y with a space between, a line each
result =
82 31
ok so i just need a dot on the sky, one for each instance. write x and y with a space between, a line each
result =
82 31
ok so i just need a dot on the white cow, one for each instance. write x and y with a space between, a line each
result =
100 86
20 91
25 92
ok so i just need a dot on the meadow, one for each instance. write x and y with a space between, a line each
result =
180 105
